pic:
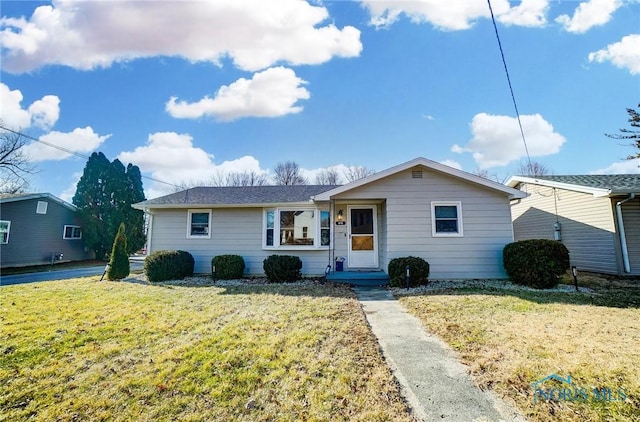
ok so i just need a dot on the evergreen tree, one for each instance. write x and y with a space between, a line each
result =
104 196
119 263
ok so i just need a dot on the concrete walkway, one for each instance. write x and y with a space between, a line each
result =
435 384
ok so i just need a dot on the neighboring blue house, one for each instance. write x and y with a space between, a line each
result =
39 228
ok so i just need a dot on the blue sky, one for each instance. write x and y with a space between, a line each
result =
190 89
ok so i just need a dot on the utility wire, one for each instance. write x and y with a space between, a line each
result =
506 71
77 154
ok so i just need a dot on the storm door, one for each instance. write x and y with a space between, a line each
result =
363 243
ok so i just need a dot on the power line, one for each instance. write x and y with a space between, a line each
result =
506 71
76 153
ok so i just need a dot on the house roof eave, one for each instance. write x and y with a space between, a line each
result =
596 192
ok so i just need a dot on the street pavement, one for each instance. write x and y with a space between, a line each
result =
7 280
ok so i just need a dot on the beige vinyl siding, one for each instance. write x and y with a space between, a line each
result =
486 218
233 231
631 220
587 224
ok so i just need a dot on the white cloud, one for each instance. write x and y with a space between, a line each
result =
41 113
271 93
452 163
82 140
497 140
455 15
172 157
67 194
623 54
589 14
530 13
254 34
621 167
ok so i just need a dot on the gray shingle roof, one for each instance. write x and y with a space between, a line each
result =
617 183
238 195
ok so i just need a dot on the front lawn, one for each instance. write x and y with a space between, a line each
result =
513 338
88 350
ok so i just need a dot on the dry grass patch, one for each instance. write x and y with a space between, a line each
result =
88 350
511 339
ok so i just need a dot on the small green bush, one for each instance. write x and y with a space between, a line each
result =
282 268
418 273
168 265
538 263
119 262
228 267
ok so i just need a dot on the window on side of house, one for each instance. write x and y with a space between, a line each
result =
199 224
41 208
446 219
72 232
5 227
296 228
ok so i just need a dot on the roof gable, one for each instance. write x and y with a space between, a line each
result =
432 165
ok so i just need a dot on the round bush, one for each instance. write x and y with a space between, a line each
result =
168 265
228 267
418 271
537 263
282 268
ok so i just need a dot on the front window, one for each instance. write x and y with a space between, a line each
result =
199 224
5 226
285 228
446 219
72 232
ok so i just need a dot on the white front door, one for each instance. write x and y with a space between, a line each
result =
363 241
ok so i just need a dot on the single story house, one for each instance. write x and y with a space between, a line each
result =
39 228
456 221
597 217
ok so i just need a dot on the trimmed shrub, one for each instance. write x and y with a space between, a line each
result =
228 267
418 273
168 265
282 268
119 262
538 263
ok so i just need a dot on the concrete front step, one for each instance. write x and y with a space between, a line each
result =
359 278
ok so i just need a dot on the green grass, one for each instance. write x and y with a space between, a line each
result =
511 339
88 350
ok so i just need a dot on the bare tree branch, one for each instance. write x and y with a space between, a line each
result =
15 166
632 135
353 173
533 169
288 173
328 176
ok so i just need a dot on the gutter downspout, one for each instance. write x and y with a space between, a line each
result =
623 237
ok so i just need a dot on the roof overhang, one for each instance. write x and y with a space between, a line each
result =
432 165
596 192
30 196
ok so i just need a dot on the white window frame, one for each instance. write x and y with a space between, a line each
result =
458 205
276 229
64 232
199 236
3 241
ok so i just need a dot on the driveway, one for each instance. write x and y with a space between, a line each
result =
60 274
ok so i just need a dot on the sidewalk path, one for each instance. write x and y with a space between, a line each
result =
435 384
